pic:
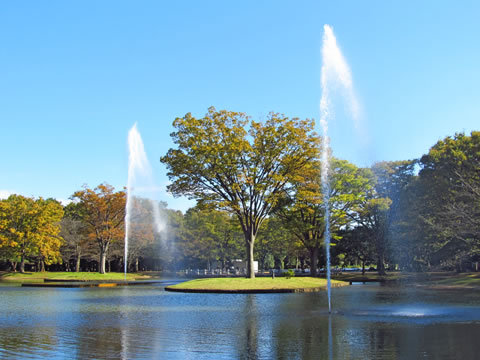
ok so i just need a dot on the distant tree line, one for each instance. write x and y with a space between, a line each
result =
259 197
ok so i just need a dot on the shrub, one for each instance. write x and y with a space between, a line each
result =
289 273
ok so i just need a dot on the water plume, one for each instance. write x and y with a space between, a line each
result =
335 75
139 173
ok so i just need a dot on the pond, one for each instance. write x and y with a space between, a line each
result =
142 322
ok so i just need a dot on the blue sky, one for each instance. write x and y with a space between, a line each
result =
75 76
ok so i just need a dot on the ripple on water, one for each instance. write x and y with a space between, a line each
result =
421 313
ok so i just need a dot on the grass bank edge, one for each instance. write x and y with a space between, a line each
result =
33 277
256 284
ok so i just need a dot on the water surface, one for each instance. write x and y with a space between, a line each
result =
145 322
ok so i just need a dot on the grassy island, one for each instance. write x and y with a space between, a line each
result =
257 285
38 277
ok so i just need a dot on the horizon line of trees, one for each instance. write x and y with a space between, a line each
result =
259 196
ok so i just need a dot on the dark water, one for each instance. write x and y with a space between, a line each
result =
369 322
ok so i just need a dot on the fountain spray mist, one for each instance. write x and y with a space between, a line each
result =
139 169
335 71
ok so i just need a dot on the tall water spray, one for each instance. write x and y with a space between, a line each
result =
139 173
335 72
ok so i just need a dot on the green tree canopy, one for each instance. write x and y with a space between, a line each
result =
227 160
303 209
276 240
450 179
209 235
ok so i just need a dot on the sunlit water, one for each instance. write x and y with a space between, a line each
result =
369 321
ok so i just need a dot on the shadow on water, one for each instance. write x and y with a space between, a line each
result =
248 346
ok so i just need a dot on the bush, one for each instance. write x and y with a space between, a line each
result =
289 273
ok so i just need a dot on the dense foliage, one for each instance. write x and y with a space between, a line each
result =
228 161
259 184
29 229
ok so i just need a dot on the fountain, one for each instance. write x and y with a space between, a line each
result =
335 71
139 179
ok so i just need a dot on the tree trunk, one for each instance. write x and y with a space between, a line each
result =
250 267
381 264
103 257
77 264
313 260
363 267
13 265
249 243
42 266
22 264
380 245
78 259
136 264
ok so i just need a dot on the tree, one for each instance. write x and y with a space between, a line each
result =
392 179
104 214
75 233
219 162
169 254
371 215
303 208
48 240
231 241
450 177
30 228
201 236
277 240
15 225
420 242
379 211
357 246
142 230
208 235
76 240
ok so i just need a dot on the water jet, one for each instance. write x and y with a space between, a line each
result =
335 71
139 174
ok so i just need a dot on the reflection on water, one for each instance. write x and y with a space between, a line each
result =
369 321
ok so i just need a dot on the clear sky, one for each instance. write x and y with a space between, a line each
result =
76 75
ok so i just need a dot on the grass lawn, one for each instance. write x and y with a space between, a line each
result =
39 276
455 280
446 279
263 283
369 276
